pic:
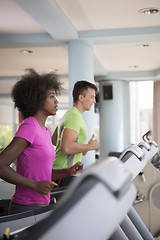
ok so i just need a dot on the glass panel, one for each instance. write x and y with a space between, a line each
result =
5 135
141 105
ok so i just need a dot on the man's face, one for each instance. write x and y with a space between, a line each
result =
88 99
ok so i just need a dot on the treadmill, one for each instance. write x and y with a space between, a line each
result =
92 208
27 218
98 204
135 158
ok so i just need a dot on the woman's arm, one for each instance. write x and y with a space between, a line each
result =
54 137
7 173
61 173
8 156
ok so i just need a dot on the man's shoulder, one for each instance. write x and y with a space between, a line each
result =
72 113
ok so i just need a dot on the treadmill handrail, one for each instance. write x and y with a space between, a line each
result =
136 150
145 145
116 168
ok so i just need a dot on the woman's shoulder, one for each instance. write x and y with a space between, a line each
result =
29 120
29 123
27 128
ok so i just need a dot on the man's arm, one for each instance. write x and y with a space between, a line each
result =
70 146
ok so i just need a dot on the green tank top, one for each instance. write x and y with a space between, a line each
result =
73 120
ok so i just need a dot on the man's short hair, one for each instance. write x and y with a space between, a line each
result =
81 87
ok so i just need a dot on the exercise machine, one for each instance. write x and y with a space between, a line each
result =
28 218
135 159
92 208
147 203
98 204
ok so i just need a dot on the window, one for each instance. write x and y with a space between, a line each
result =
52 121
6 123
141 105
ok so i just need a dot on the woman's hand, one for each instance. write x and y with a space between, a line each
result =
84 153
61 173
45 187
75 168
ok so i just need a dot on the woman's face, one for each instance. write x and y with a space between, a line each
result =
51 104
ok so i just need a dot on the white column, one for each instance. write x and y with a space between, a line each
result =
81 68
114 118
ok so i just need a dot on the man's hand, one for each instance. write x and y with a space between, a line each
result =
93 142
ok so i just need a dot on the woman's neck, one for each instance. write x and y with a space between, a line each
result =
41 120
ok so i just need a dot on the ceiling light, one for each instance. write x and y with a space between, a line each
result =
143 45
51 70
149 10
26 51
133 66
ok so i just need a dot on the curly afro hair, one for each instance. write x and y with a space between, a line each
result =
30 92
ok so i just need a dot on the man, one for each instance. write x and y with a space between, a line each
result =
71 132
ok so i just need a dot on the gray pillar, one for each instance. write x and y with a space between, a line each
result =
114 118
81 68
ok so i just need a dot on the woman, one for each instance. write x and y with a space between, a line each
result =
35 97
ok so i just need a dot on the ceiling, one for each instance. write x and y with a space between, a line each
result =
126 43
